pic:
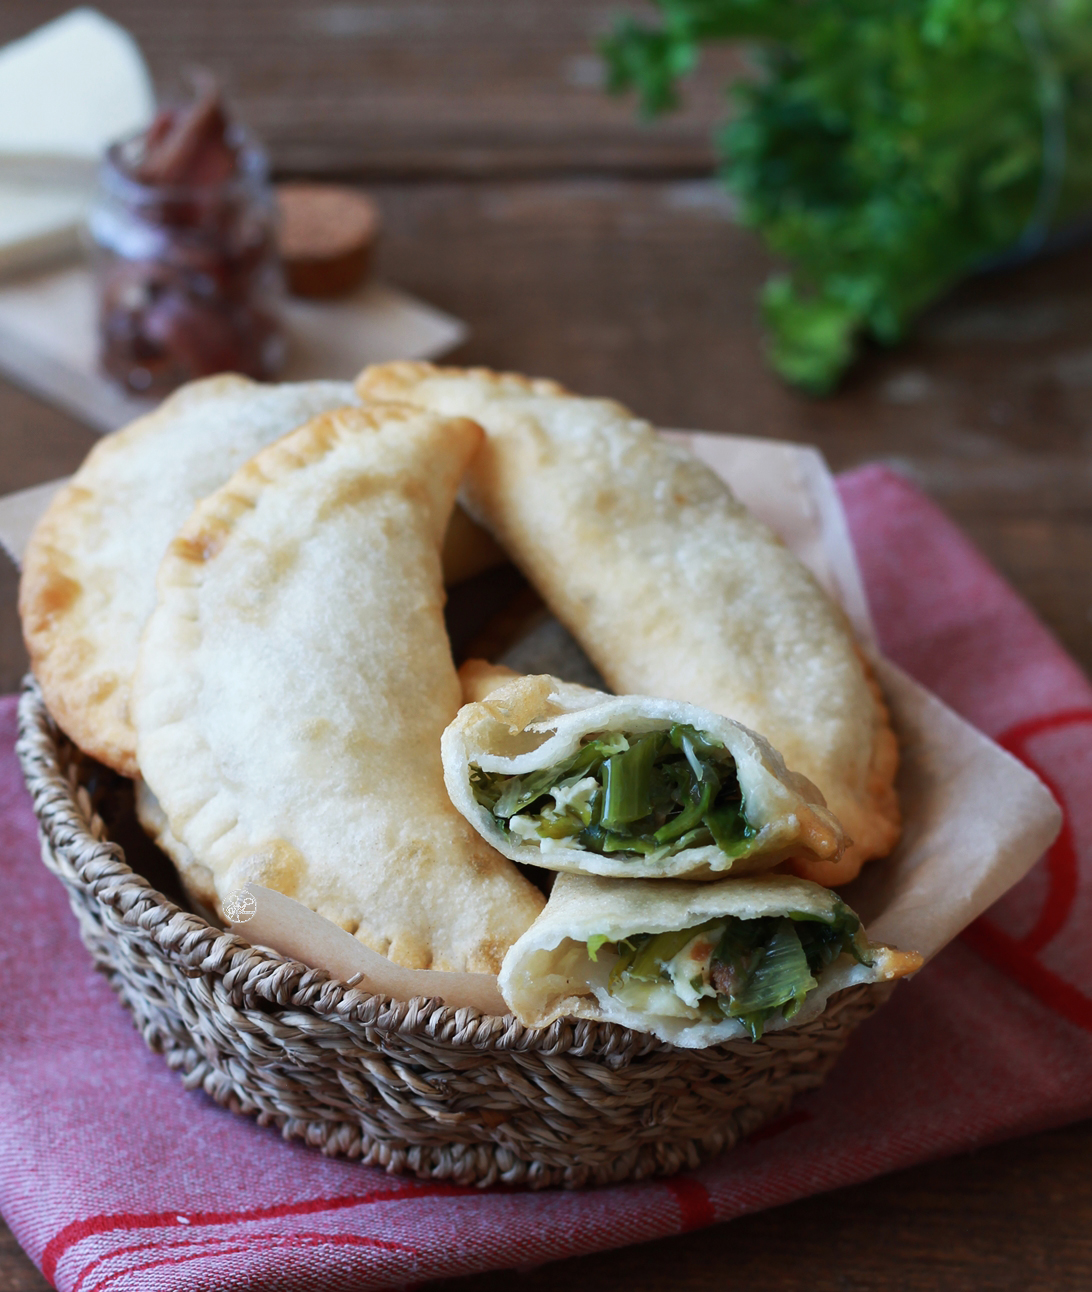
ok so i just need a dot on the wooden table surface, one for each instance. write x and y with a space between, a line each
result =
580 245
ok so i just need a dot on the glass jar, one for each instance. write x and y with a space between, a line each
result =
188 278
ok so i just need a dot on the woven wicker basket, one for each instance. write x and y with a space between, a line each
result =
412 1086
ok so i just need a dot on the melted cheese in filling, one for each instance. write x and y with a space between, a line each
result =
686 980
689 970
576 796
652 998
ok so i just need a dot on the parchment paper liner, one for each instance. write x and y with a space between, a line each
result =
976 819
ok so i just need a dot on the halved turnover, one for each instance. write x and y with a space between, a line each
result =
669 584
571 779
695 964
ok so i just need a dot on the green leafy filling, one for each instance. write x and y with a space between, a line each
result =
651 795
760 969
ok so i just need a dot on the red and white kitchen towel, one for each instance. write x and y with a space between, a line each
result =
113 1176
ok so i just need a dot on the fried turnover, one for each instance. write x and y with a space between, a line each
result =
695 964
293 683
571 779
670 585
88 583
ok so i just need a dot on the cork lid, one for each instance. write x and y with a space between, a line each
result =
325 238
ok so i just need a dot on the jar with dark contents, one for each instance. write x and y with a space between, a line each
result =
183 235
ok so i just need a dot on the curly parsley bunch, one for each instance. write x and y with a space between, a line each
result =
887 149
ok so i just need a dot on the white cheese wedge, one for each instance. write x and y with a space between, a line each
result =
67 91
71 87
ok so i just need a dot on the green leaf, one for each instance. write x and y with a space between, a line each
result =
658 948
824 940
519 792
811 340
729 829
659 793
765 967
627 952
628 781
597 839
567 827
652 61
699 837
689 817
595 942
656 952
781 976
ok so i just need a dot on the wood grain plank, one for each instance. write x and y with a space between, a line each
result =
18 1273
37 443
468 87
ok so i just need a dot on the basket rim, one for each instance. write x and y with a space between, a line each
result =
253 975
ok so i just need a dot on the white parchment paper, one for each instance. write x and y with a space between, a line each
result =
976 820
